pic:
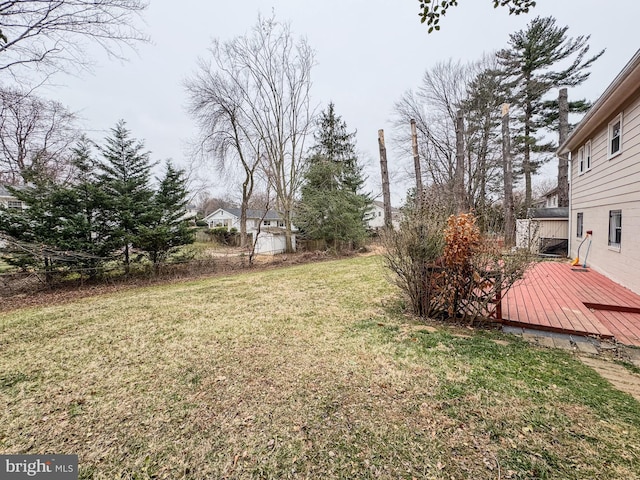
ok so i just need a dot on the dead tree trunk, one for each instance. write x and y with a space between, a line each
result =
563 159
386 195
507 168
458 188
416 162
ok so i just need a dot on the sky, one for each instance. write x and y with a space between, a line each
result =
368 53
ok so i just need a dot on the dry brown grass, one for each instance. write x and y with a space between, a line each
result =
303 372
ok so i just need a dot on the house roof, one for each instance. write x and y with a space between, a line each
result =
622 87
559 213
380 204
251 213
4 192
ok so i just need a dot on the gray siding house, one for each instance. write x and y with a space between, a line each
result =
7 199
605 180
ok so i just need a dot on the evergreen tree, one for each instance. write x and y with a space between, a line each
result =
332 206
168 229
529 65
335 144
52 232
34 228
124 179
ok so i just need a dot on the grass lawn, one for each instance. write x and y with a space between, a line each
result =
310 372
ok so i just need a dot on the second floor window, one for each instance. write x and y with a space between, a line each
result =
615 136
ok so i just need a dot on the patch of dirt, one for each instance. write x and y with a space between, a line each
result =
617 375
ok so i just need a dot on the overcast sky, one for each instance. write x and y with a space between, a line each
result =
368 53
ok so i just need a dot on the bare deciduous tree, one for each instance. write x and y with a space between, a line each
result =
50 35
270 72
220 105
35 137
434 106
281 70
446 88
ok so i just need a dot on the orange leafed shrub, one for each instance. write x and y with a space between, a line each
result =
448 269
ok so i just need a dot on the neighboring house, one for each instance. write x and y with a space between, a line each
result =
544 231
272 232
605 180
374 218
550 199
7 199
547 200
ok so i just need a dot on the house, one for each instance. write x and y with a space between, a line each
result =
374 218
550 199
7 199
604 174
272 238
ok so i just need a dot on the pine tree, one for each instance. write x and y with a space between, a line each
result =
529 65
125 180
169 229
332 206
334 143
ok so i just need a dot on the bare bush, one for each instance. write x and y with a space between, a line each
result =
414 255
447 269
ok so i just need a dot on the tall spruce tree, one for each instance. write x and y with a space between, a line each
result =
125 173
168 229
333 205
530 66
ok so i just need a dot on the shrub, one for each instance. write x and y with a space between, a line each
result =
414 254
446 268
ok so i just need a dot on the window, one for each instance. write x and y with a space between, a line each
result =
587 155
615 136
579 225
281 223
615 228
14 205
581 159
266 223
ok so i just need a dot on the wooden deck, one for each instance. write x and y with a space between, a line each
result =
556 297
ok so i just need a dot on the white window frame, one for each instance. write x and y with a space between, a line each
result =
610 137
15 205
613 228
580 224
581 160
588 155
266 223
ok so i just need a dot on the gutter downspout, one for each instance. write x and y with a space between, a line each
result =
569 233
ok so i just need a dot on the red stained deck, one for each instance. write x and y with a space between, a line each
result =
556 297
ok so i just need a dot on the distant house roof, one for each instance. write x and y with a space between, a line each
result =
559 213
4 192
251 213
380 204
